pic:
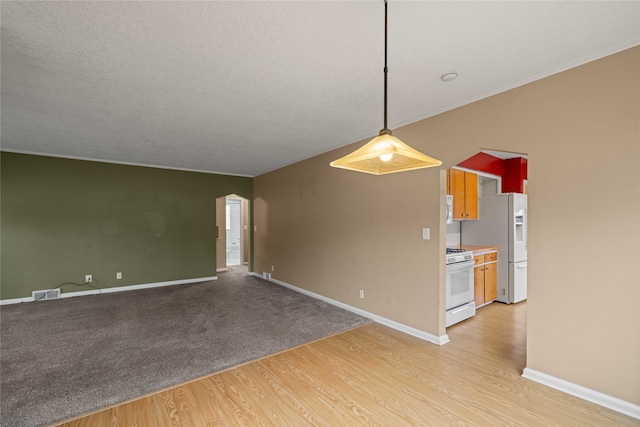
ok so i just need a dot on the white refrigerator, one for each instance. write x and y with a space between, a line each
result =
502 222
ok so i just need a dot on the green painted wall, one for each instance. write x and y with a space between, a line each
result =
62 219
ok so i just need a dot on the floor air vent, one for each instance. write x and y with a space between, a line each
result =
44 295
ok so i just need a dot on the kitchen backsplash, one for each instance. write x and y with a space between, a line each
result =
453 234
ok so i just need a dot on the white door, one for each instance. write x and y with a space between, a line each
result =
234 232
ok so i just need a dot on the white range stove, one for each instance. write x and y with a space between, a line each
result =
460 302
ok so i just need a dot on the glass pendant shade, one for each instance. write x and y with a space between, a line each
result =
385 154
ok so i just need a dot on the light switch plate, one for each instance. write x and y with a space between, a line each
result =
426 233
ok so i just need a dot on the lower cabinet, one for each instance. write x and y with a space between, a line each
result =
490 281
485 278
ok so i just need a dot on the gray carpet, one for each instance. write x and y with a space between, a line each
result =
63 358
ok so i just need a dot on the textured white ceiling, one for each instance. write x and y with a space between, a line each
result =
248 87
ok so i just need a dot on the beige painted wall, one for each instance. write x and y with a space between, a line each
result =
334 232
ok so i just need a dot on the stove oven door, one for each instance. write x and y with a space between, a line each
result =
459 284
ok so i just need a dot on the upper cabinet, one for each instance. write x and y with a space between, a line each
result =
464 188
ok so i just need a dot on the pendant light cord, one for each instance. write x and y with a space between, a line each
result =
386 70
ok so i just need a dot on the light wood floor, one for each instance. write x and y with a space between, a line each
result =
375 376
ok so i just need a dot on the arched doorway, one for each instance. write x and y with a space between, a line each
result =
232 237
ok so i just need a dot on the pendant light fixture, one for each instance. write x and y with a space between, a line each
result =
385 153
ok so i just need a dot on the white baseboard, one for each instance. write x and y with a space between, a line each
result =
117 289
618 405
218 270
439 340
15 300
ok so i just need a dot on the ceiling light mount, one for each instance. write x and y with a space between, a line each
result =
447 77
385 153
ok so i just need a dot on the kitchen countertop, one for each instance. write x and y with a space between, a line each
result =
476 249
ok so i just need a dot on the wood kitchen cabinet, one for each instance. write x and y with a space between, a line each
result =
463 186
485 278
490 281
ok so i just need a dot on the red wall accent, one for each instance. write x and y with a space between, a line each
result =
513 171
485 163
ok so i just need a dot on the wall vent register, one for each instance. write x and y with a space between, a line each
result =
45 295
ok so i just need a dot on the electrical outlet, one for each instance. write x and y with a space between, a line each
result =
361 294
88 278
119 275
273 268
